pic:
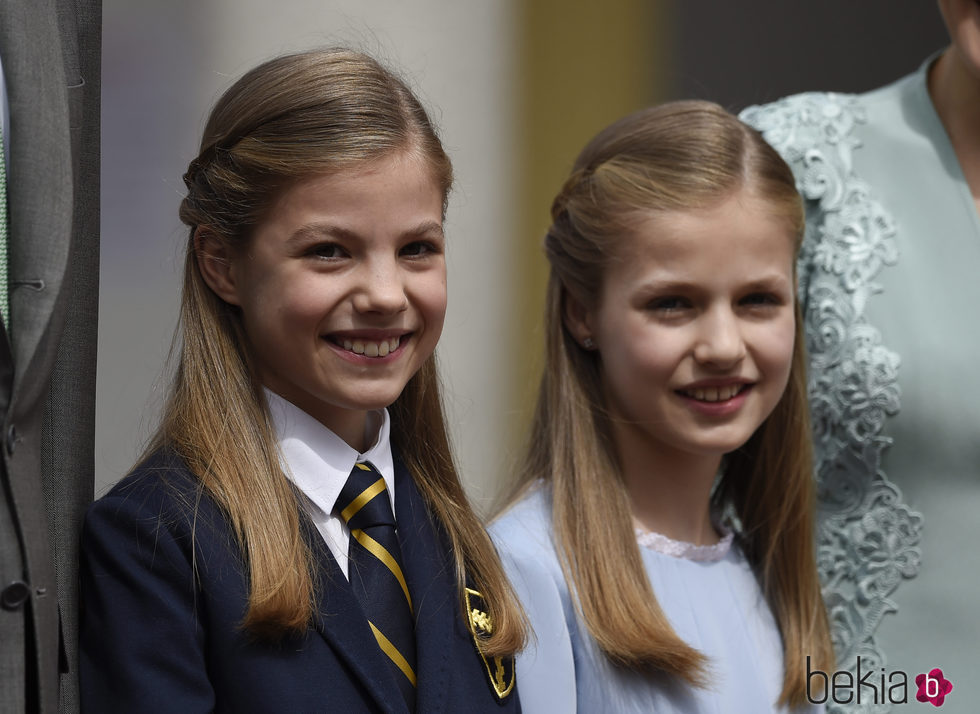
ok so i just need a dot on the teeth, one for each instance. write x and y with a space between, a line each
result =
714 394
372 349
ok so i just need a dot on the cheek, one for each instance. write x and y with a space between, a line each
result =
430 297
776 347
282 307
635 353
304 306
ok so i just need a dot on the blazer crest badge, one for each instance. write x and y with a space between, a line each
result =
501 672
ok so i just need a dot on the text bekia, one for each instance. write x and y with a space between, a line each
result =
862 687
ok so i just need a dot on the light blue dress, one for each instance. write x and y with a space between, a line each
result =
890 279
717 607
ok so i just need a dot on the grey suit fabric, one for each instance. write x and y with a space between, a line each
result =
51 60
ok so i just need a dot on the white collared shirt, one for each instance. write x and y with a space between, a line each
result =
318 462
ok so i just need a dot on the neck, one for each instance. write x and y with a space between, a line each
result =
354 428
358 428
669 490
955 92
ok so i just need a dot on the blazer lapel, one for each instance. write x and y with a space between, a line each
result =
431 578
341 622
39 180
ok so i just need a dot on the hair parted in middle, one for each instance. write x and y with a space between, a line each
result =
291 118
679 156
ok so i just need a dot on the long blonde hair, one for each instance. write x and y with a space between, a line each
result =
674 157
293 117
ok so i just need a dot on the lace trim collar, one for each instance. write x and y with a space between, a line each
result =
688 551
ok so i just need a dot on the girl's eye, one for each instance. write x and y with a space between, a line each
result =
668 304
417 249
761 299
328 251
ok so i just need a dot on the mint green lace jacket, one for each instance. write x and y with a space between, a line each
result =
889 267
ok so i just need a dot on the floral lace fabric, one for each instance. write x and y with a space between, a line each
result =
867 537
681 549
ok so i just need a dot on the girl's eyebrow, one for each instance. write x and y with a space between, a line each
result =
426 228
667 284
768 282
318 231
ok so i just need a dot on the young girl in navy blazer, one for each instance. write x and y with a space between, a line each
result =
661 537
296 538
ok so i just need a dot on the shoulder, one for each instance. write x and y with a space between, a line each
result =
524 530
160 582
160 482
890 93
161 498
523 537
796 106
546 668
160 467
801 123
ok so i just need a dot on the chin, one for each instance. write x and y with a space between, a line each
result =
371 400
723 446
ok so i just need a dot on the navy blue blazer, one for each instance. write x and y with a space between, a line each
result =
163 593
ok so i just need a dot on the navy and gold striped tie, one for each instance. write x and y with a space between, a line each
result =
375 571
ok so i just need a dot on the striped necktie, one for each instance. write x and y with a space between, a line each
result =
375 572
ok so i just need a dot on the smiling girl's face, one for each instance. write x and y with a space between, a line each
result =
695 325
343 289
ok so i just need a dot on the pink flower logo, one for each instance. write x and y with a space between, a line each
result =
933 687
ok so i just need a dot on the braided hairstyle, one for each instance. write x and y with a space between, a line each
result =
291 118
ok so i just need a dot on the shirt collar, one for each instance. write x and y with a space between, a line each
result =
318 461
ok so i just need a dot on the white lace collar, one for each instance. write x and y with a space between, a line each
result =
688 551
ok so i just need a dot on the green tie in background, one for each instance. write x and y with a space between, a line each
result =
4 303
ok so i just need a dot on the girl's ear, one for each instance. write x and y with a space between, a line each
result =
578 321
214 260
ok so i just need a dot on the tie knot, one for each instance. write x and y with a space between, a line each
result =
364 502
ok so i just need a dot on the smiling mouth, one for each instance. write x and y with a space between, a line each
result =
714 394
368 348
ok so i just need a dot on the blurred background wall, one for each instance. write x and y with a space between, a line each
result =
516 87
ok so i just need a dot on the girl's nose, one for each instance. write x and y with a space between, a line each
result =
382 289
720 342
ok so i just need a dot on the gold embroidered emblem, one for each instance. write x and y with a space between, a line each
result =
481 621
501 673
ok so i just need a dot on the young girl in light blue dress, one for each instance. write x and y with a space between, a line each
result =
660 534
